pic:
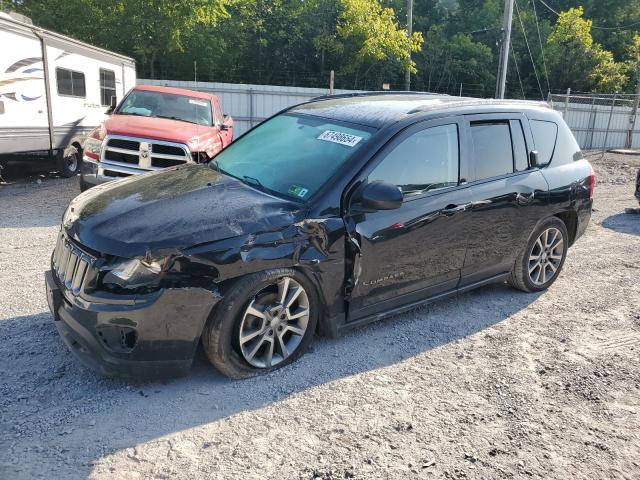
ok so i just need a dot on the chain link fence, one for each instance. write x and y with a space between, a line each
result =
601 121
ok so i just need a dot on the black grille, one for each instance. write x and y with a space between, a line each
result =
111 173
120 143
165 162
123 157
74 268
167 150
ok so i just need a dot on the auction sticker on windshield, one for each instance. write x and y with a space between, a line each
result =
201 103
298 191
339 137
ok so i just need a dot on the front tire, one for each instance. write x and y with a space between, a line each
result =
265 321
540 263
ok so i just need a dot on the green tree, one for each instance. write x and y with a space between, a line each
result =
146 29
576 61
633 63
371 37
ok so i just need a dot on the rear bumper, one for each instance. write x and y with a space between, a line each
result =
150 336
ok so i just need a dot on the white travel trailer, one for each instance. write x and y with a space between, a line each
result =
54 90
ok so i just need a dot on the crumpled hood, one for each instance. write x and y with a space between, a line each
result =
157 128
172 209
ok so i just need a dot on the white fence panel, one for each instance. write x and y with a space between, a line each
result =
249 104
600 121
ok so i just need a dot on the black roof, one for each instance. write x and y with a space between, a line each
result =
380 109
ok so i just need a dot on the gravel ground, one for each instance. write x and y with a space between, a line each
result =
491 384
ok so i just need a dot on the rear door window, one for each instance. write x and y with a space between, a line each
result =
544 136
427 160
520 153
492 147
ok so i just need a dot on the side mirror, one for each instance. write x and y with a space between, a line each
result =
113 103
380 195
227 123
533 158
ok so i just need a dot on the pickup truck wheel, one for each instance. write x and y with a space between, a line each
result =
264 322
540 263
69 162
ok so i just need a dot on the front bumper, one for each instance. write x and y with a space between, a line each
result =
150 336
96 173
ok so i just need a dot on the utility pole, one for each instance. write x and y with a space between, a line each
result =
501 81
407 73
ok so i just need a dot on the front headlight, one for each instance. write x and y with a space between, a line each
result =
92 148
134 273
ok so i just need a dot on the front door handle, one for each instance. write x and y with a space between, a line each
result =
453 209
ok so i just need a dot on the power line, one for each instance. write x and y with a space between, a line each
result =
535 70
544 60
515 62
550 9
619 27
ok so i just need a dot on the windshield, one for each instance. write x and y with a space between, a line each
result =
291 155
167 105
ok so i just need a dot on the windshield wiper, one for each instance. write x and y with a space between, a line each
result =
131 113
253 181
175 118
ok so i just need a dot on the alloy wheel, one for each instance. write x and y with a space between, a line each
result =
545 256
274 323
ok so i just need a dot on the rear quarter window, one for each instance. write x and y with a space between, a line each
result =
544 138
567 149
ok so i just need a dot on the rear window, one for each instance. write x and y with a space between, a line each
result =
544 137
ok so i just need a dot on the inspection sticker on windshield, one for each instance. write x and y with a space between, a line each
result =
298 191
339 137
202 103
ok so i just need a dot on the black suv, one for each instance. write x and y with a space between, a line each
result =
329 215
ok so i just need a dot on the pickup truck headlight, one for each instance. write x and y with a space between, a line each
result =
93 143
134 273
92 148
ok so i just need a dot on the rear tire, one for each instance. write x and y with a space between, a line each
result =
541 261
232 330
69 161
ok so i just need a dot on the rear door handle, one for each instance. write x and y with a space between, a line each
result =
453 209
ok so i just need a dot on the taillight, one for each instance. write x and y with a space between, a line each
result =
592 182
93 143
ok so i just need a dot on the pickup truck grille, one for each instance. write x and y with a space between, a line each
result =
74 268
141 154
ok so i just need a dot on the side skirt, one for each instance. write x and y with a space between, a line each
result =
344 327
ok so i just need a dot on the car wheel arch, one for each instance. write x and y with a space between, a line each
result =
570 220
305 270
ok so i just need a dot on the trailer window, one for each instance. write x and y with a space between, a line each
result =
70 83
107 86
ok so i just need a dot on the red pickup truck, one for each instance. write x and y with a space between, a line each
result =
154 127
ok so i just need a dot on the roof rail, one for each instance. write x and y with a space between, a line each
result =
375 92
